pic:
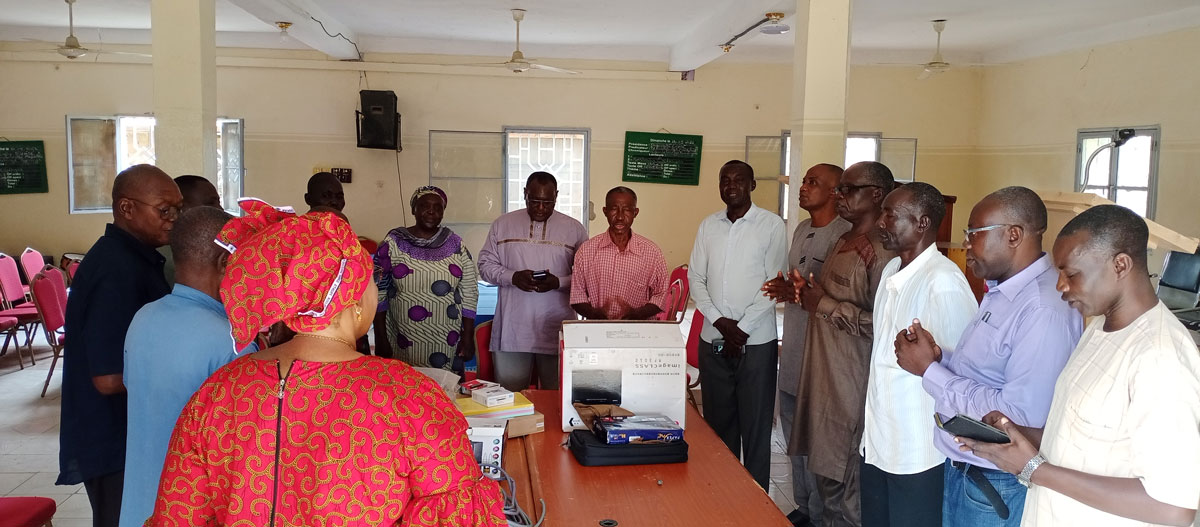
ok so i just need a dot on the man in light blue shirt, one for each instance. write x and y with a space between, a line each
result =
173 345
736 251
1007 359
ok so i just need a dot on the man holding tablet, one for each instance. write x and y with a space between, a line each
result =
1008 357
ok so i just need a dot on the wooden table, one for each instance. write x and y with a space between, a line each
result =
711 489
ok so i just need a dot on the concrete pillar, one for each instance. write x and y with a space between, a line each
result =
185 86
820 74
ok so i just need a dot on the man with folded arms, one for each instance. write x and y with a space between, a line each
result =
1008 357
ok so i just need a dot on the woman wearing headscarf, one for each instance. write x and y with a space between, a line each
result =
428 289
311 432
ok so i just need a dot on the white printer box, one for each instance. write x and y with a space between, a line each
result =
638 365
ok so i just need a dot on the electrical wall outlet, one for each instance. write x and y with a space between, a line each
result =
342 174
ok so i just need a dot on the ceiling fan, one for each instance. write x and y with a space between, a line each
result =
517 63
936 64
70 48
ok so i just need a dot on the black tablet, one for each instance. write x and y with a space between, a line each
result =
961 425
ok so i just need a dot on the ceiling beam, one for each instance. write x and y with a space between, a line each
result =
304 16
702 45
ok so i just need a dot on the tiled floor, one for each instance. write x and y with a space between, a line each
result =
29 442
29 437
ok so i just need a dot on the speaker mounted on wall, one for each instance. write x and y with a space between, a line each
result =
378 121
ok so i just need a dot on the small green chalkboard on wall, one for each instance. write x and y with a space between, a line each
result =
23 167
662 158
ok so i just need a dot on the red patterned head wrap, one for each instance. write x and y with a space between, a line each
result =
301 270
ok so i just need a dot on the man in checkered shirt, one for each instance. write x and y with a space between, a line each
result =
619 275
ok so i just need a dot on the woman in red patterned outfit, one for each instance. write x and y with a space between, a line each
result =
311 432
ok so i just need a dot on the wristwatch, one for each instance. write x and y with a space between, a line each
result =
1032 465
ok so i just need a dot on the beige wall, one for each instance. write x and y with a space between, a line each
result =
977 129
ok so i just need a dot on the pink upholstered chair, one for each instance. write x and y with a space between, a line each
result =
31 263
677 295
20 511
12 299
50 297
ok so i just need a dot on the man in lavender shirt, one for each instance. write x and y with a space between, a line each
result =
529 254
1007 359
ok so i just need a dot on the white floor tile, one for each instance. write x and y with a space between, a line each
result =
42 484
75 506
12 480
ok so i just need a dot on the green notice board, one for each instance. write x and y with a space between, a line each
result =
662 158
23 167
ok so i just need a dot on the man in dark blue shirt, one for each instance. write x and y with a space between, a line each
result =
120 273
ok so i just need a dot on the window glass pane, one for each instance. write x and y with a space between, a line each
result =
1099 191
787 171
900 155
762 154
1098 174
1134 200
93 163
230 167
135 142
559 153
861 149
1133 162
471 200
465 155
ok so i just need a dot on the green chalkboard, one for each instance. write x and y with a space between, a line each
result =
23 167
662 158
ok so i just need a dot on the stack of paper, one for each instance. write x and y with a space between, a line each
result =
520 406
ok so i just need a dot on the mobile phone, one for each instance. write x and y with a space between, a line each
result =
541 275
962 425
718 346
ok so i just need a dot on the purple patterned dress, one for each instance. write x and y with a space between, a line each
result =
427 286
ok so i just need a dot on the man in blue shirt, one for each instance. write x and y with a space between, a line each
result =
173 345
121 273
1007 359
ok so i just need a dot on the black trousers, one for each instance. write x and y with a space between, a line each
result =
739 403
901 500
104 492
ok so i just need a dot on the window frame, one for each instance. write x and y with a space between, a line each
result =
877 136
231 207
1151 188
503 179
587 161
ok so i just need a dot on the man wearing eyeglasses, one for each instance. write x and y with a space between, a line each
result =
1007 359
121 273
529 254
832 378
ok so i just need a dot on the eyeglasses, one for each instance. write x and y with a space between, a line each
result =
540 202
969 234
168 212
845 190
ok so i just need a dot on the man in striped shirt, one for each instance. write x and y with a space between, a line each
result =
619 275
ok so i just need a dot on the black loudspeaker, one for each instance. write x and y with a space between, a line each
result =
378 121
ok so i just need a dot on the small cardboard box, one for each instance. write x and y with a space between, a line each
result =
636 429
526 425
492 396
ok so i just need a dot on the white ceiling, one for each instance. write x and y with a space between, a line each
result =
883 30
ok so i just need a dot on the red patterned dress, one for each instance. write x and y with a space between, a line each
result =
364 442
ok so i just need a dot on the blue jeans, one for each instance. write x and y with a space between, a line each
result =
963 504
